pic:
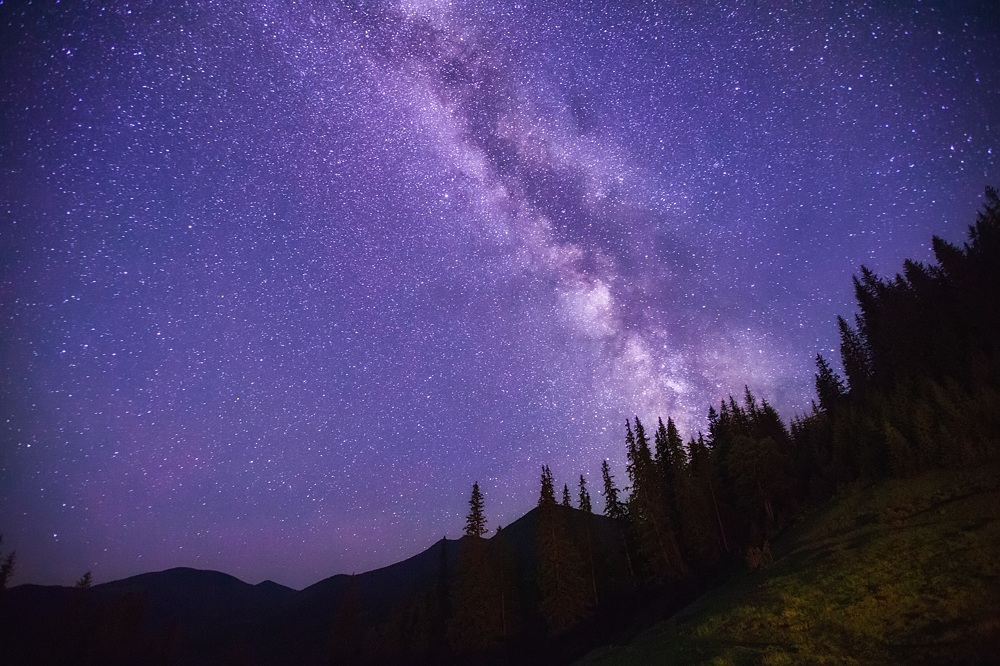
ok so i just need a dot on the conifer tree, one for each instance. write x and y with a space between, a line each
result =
856 356
565 598
757 460
475 522
648 511
6 568
478 615
670 464
703 469
85 582
565 496
829 387
504 566
548 494
663 454
613 507
697 526
588 534
585 496
630 455
675 446
478 602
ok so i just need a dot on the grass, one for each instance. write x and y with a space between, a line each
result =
906 571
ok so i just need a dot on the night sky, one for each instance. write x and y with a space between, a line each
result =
280 280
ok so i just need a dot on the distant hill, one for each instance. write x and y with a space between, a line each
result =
900 572
187 610
192 616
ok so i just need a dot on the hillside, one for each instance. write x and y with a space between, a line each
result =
192 616
903 572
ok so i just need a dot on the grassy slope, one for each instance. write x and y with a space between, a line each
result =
906 571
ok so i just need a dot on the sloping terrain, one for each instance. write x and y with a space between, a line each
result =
905 571
191 616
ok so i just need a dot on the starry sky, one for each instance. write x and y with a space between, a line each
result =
279 280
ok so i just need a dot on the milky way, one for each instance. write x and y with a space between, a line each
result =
280 280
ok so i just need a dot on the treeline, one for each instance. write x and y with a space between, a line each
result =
921 359
922 390
529 594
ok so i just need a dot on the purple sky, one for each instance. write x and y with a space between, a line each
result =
280 280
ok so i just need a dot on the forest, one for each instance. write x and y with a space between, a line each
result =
920 391
921 359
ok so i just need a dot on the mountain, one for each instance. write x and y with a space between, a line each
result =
182 611
192 616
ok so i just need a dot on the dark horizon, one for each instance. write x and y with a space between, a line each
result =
279 283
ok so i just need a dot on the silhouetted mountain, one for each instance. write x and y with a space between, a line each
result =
188 613
191 616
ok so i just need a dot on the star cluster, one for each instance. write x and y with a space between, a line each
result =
280 280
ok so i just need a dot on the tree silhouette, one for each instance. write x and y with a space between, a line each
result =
6 568
475 522
829 387
585 496
85 582
503 565
616 510
613 507
565 594
548 493
648 512
477 622
478 603
588 535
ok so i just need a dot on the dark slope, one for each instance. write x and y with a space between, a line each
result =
903 571
185 615
421 586
182 614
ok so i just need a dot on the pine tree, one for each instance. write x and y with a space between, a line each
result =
697 525
475 522
661 452
563 587
758 461
613 507
6 568
565 496
630 455
477 601
669 451
84 582
477 622
648 511
703 468
670 463
504 566
829 387
585 496
548 494
856 355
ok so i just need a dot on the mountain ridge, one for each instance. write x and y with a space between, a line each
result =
207 616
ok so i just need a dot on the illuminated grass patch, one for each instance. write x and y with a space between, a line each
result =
903 571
